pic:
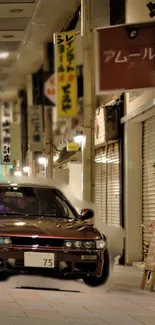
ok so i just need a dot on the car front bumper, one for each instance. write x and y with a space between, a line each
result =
68 263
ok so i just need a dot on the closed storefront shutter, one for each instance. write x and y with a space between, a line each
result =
148 176
113 184
107 183
100 182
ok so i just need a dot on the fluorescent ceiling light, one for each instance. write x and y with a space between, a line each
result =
8 36
4 55
19 223
16 10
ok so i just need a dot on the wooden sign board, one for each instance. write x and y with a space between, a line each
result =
150 265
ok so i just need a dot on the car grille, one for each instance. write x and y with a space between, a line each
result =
43 242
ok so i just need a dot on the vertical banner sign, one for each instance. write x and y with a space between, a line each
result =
36 128
66 75
6 120
16 144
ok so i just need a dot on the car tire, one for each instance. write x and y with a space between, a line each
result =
98 281
3 276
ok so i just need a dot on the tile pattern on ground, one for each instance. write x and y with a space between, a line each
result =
93 307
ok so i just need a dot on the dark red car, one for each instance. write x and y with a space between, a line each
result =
42 233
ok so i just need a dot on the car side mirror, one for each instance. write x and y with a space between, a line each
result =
86 214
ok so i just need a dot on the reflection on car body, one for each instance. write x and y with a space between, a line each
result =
42 233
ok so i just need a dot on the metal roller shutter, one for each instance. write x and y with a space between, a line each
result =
113 185
107 186
100 182
148 176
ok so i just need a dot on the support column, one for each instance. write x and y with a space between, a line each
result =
48 141
133 191
89 99
30 103
48 127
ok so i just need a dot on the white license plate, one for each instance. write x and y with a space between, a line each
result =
45 260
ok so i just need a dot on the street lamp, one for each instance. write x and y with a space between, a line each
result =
26 169
78 139
42 161
17 173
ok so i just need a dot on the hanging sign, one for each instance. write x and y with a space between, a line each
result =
66 75
125 57
50 90
6 120
36 128
99 126
73 146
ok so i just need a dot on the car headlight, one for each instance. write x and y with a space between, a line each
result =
68 244
88 244
100 244
5 241
78 244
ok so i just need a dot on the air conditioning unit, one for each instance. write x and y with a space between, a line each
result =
112 122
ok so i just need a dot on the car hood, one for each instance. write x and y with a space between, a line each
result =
49 227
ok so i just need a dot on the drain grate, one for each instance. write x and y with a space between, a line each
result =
48 289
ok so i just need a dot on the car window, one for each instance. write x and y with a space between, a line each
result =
33 201
66 208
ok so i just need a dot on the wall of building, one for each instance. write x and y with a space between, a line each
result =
133 191
101 14
75 179
136 11
61 175
141 97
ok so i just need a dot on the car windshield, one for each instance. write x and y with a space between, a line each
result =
34 201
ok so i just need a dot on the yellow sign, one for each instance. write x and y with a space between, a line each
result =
72 146
66 76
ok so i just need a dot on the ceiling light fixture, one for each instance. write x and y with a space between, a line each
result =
16 11
8 36
4 55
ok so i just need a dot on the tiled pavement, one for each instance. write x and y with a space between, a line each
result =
119 303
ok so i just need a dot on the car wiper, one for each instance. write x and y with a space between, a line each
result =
51 215
13 214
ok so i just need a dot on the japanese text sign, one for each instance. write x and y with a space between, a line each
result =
6 120
36 128
72 146
126 57
49 89
66 75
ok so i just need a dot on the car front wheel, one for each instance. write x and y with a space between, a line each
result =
3 276
97 281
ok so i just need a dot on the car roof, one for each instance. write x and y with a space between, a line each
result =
5 184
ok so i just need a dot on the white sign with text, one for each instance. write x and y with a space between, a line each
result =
6 121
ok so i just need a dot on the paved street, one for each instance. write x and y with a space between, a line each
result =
119 303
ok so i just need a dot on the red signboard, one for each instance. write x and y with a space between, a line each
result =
126 57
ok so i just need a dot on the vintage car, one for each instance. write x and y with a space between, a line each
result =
42 233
